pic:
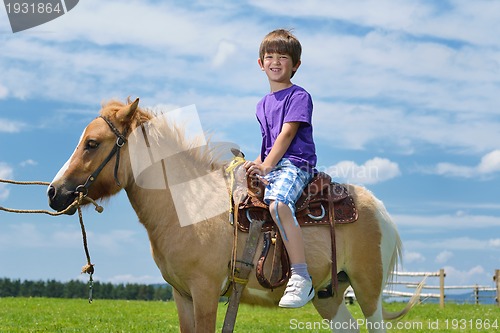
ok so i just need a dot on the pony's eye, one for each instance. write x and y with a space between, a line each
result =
91 144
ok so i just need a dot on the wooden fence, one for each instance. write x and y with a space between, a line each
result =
441 287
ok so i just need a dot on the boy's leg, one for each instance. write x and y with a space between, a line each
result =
299 289
286 183
294 243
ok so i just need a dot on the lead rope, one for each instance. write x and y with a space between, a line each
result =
89 267
233 214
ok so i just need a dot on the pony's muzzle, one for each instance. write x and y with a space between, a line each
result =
60 199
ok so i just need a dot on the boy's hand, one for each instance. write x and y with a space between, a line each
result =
256 169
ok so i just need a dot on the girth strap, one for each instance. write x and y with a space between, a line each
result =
243 268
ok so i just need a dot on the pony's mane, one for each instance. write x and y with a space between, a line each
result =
203 157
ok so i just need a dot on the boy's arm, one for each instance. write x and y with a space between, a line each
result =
283 141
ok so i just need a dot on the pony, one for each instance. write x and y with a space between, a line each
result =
194 258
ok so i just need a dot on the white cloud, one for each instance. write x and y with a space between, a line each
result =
369 90
453 170
413 257
5 173
171 47
455 276
3 91
115 241
23 235
123 278
224 51
460 205
494 242
29 235
369 125
414 17
372 171
458 221
462 243
28 162
10 126
142 279
5 170
490 164
150 22
444 256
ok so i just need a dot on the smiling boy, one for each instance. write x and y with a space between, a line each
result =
288 155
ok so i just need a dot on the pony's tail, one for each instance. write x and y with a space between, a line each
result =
411 303
397 258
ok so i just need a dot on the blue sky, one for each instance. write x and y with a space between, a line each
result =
405 95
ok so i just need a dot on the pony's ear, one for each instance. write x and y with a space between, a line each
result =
126 113
237 153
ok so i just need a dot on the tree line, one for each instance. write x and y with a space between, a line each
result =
79 289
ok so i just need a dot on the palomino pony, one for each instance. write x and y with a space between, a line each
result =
194 258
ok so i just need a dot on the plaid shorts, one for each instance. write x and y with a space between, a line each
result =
286 183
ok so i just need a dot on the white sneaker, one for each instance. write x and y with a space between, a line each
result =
298 292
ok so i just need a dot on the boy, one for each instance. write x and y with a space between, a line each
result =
288 156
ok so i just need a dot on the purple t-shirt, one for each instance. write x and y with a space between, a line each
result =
293 104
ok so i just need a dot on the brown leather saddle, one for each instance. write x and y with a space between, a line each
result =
323 203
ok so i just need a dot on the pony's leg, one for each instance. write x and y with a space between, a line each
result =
335 310
344 321
205 301
369 297
375 323
185 310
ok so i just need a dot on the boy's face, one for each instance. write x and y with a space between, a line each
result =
278 67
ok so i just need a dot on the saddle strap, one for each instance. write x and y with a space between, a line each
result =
331 212
280 264
242 268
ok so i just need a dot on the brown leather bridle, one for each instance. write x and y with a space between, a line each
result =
120 142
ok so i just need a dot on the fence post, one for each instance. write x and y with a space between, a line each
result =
496 278
476 294
441 288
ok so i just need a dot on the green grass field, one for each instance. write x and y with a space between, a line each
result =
76 315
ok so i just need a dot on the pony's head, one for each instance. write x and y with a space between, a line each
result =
94 167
